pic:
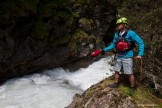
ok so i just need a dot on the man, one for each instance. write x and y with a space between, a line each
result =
124 41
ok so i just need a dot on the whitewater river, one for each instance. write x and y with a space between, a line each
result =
52 88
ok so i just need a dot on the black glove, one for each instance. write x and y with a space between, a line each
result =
102 52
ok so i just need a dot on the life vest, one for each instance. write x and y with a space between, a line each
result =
123 45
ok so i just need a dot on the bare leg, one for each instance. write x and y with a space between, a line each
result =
132 80
116 81
116 77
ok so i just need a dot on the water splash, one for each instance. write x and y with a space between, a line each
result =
52 88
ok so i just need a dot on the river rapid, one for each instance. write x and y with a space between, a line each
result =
52 88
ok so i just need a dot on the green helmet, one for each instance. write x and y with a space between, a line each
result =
122 20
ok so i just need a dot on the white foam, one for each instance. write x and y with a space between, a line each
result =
53 88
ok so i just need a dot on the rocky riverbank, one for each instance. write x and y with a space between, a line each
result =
101 96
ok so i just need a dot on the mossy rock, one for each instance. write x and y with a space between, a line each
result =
80 37
1 33
45 12
88 1
56 41
86 24
142 98
85 21
40 30
69 21
66 19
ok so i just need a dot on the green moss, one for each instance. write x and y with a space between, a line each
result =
67 12
160 105
90 93
76 15
56 41
142 96
67 18
61 2
39 31
47 9
63 40
1 33
30 5
78 37
105 83
70 11
85 21
82 1
124 90
69 21
5 12
62 14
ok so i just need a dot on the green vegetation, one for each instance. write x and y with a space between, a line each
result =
143 96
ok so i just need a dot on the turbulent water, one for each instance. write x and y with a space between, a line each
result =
52 88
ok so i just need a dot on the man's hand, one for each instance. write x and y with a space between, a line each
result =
138 57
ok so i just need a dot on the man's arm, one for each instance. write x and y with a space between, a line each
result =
140 43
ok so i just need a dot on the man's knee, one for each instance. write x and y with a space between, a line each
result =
131 75
116 72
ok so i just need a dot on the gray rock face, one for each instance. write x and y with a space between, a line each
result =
31 56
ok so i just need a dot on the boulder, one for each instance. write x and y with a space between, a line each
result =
96 97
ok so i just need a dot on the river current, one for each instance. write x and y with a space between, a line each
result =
52 88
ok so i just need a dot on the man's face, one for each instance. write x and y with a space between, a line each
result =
120 26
